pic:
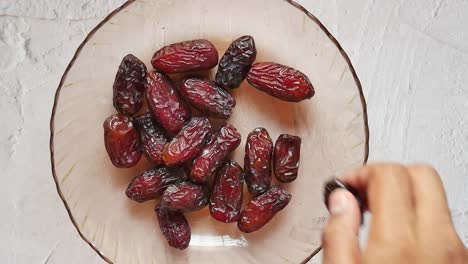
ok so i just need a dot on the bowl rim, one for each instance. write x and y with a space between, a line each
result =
123 6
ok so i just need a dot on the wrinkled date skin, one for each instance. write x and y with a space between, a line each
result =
212 156
236 62
192 55
122 141
152 137
262 209
185 197
129 85
164 103
280 81
226 198
257 161
188 142
207 97
286 158
174 226
150 184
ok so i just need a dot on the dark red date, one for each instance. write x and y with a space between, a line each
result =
164 103
185 197
226 140
207 97
286 157
122 141
152 137
262 209
129 85
226 198
280 81
188 142
192 55
150 184
236 62
257 161
174 226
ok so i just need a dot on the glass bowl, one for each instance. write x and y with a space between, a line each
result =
333 127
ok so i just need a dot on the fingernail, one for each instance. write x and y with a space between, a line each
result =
338 202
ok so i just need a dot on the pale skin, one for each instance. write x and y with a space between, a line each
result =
410 221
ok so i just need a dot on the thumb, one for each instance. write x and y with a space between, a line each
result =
339 240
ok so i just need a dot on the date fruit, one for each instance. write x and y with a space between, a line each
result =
129 85
153 138
122 141
165 105
262 209
286 157
192 55
212 156
185 197
150 184
207 97
236 62
280 81
188 142
257 161
226 198
174 226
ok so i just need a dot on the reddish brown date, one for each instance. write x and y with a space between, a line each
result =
188 142
257 161
226 198
226 140
174 226
165 105
280 81
286 157
192 55
150 184
185 197
207 97
122 141
152 137
129 85
236 62
262 209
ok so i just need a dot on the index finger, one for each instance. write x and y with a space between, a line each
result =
386 190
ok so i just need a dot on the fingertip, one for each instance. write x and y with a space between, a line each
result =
342 203
339 239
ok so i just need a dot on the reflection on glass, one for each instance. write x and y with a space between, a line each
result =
217 241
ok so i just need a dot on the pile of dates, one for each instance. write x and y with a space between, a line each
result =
190 158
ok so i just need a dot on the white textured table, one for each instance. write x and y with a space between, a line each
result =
411 57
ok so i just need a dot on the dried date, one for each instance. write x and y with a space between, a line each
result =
262 209
122 141
164 103
236 62
226 140
174 227
207 97
226 198
185 197
129 85
192 55
280 81
150 184
188 142
286 157
152 137
257 161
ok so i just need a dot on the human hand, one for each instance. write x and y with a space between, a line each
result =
410 223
